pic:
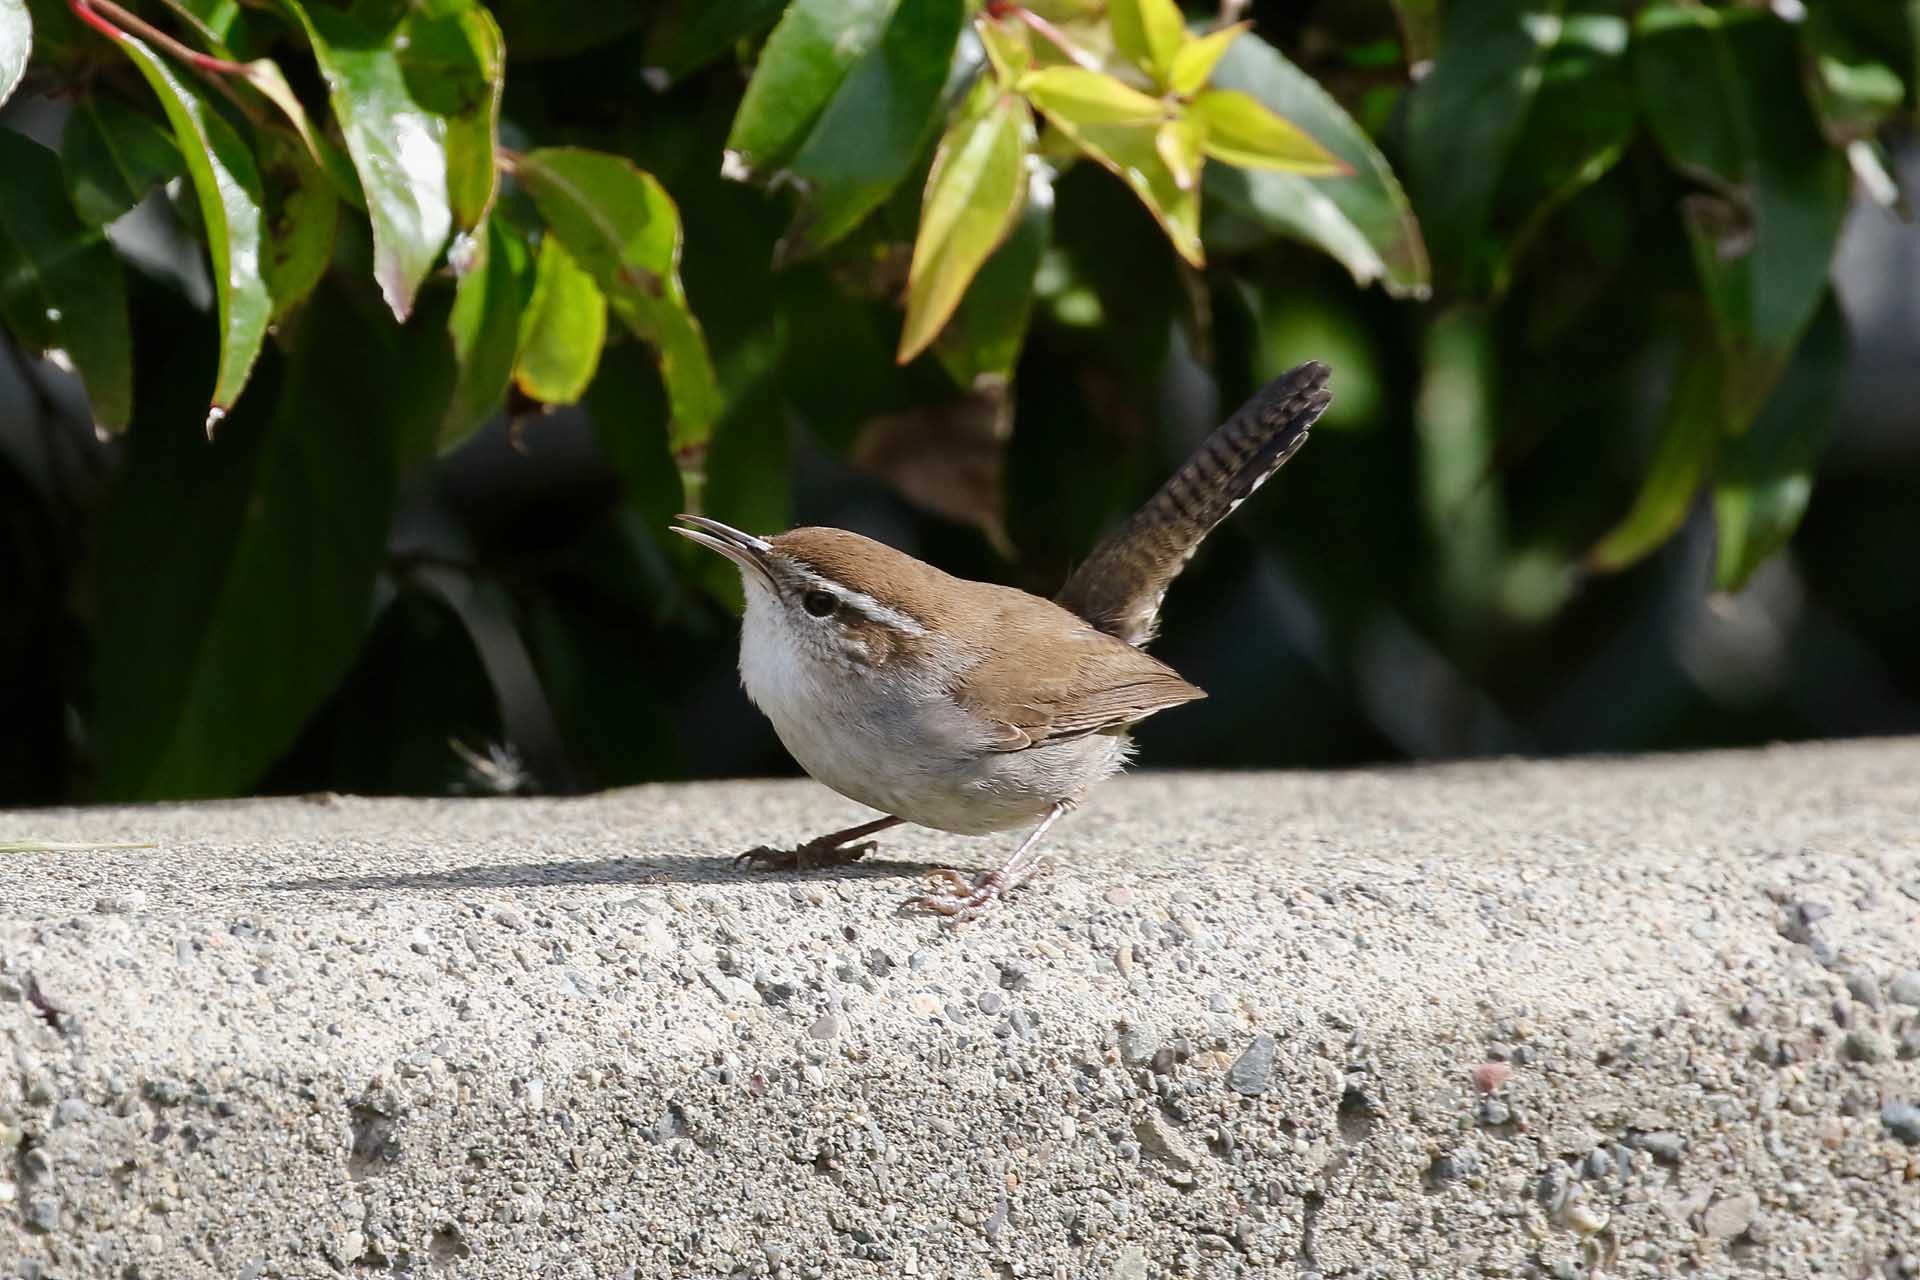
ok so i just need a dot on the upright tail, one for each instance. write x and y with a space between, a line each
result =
1119 587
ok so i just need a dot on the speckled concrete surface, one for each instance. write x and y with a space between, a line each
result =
1636 1018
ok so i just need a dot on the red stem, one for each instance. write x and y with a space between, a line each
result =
134 24
1057 38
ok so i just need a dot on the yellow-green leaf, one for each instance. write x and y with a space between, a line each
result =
1148 33
1131 152
302 214
1089 97
1197 58
1007 46
1179 143
562 330
1240 131
974 193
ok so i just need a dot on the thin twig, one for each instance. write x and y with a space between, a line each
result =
1058 39
96 12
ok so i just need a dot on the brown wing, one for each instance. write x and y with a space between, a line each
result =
1049 676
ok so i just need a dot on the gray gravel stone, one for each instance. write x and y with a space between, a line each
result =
1662 1144
1905 988
1902 1121
1251 1070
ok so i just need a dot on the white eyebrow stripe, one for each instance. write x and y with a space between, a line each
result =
866 605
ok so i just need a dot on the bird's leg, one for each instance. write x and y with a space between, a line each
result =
835 849
970 898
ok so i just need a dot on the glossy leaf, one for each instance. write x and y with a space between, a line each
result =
1363 220
1765 475
398 142
302 214
1238 130
686 37
985 335
974 191
1689 439
562 329
620 224
1527 101
232 207
16 43
271 83
1132 153
1148 33
240 573
1197 58
455 64
485 327
113 156
1721 89
1081 97
808 56
877 124
61 288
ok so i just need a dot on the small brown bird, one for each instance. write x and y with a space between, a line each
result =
970 707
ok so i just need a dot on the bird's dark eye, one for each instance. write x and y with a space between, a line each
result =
819 603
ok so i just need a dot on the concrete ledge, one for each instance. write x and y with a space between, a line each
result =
1644 1017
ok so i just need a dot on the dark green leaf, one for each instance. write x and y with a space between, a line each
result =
1363 220
877 124
1689 439
686 37
1474 142
1722 90
485 326
562 28
232 213
621 225
16 42
113 156
809 54
61 288
629 412
986 332
1765 475
1856 87
974 191
303 212
396 127
455 64
237 577
562 330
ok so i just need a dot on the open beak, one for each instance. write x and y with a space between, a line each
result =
745 550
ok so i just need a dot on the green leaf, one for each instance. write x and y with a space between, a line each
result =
620 224
1855 86
1132 153
1198 57
485 326
686 37
16 42
629 418
1722 91
974 191
1362 220
1688 442
984 337
540 29
877 124
416 91
562 329
61 288
1081 98
1008 47
1472 129
1148 33
232 213
1765 475
113 156
1182 146
809 54
271 83
1240 131
303 212
238 575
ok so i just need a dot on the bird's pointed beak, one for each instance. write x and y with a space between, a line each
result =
745 550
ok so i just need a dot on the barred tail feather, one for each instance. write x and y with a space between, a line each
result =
1119 587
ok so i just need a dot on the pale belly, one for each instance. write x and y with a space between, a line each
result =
912 753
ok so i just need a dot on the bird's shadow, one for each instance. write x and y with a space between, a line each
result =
666 869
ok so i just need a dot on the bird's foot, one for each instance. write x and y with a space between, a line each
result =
966 899
805 857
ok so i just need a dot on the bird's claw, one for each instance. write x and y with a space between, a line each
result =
803 857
